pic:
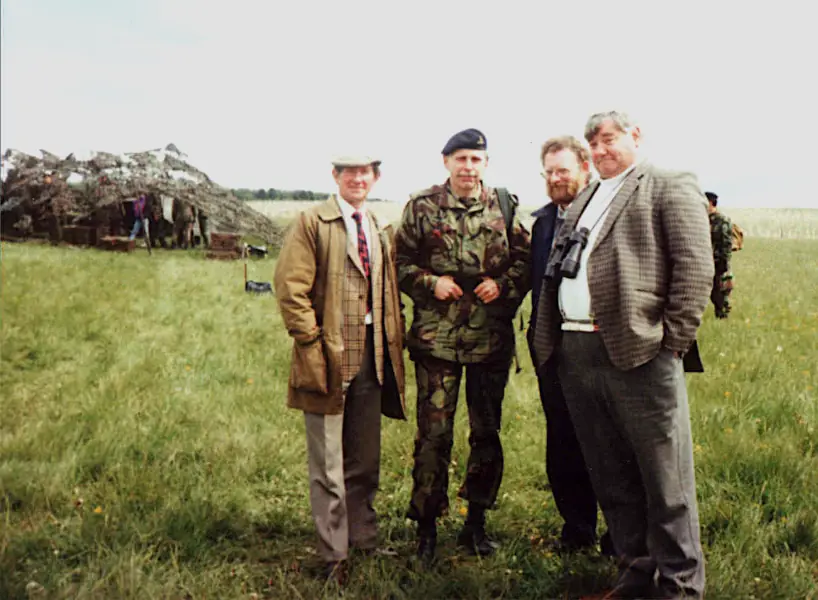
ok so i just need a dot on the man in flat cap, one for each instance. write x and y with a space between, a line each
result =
462 258
337 290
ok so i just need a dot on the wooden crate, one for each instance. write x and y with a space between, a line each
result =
79 235
225 241
117 244
223 254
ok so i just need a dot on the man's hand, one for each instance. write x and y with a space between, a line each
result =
488 291
447 289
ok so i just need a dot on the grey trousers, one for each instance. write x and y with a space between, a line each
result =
343 453
634 430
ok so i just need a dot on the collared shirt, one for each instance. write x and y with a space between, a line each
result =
558 224
466 200
352 231
574 294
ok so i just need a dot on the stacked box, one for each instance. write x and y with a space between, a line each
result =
222 255
117 244
224 246
79 235
97 233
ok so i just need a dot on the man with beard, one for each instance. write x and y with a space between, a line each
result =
622 299
566 170
465 266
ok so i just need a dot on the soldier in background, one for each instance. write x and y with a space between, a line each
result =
466 271
182 214
721 236
156 219
202 215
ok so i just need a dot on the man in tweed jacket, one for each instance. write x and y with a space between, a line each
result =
337 290
618 326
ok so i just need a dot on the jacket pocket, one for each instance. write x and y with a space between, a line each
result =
308 372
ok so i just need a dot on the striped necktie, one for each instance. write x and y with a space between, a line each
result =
363 249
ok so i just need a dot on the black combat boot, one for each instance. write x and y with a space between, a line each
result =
427 541
473 535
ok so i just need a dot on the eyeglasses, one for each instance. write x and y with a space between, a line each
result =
562 173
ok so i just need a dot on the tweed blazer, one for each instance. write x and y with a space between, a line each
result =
650 270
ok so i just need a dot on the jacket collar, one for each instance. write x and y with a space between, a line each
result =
544 211
330 210
623 196
449 200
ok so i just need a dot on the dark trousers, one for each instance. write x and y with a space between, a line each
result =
344 465
634 429
565 465
438 384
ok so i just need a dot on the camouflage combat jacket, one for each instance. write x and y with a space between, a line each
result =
465 238
721 235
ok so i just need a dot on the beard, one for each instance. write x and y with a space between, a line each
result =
562 194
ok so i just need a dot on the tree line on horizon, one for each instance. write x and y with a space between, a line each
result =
274 194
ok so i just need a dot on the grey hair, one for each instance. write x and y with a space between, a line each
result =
620 119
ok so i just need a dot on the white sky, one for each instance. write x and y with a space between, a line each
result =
263 93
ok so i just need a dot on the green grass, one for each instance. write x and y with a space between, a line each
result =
146 450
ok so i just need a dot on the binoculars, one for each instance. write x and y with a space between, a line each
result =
565 257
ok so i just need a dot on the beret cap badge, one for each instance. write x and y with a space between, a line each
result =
468 139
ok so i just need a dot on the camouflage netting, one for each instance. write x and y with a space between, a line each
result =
37 192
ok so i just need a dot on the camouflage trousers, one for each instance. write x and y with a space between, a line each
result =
720 294
438 385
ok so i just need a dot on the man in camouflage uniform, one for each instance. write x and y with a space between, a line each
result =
466 272
183 219
721 235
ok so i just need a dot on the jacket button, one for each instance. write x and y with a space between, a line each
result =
361 297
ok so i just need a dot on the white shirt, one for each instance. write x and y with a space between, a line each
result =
352 232
574 294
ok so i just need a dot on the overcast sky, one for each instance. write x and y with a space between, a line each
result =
262 93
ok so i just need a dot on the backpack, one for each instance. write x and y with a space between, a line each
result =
738 238
507 208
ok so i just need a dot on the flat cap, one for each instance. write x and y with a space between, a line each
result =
468 139
354 160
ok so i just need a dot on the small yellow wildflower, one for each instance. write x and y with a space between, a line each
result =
98 510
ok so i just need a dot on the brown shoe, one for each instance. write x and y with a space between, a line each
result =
336 571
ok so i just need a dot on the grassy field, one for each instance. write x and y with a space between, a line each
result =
146 450
785 223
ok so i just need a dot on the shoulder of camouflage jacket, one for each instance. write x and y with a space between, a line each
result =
720 220
427 192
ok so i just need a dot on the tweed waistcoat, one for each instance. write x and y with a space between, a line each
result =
356 289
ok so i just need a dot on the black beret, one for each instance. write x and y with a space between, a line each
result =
468 139
711 196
